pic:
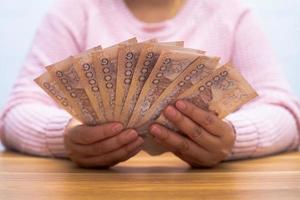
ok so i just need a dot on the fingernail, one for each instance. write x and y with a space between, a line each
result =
171 111
132 134
180 105
117 128
155 130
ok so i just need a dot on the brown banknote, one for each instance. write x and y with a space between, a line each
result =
127 60
201 68
168 67
105 65
68 81
50 86
148 58
86 71
222 92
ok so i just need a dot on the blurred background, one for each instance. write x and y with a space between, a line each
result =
19 20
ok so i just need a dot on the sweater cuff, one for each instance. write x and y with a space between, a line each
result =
247 138
54 133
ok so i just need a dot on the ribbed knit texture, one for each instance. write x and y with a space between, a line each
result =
33 124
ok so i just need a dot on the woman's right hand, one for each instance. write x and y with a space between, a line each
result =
100 146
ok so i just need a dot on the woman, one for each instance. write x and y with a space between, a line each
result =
33 124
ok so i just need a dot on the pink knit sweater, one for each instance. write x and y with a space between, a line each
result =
33 124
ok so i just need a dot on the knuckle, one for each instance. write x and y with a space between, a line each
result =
196 133
193 113
209 119
184 146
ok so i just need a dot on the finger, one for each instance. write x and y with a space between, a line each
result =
177 143
90 134
112 158
199 135
105 146
183 147
130 154
207 120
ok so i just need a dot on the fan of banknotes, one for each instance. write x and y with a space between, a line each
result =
132 82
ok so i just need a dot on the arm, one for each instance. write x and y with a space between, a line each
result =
270 124
31 122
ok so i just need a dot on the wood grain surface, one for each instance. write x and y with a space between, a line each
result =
144 177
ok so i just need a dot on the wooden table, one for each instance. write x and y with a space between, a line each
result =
144 177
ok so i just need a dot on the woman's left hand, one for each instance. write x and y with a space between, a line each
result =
208 141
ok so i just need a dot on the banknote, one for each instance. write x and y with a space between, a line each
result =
201 68
170 64
127 60
147 59
68 81
222 92
86 71
105 65
50 86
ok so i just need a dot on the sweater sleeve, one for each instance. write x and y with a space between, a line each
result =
31 122
269 124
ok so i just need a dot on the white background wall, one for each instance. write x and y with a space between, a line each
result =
19 19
